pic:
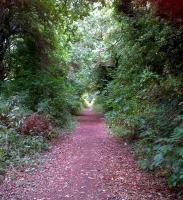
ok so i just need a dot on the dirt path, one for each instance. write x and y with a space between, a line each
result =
88 165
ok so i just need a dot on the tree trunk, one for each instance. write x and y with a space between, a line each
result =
126 6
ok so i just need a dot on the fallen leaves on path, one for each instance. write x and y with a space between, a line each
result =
87 165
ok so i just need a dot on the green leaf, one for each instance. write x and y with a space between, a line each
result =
158 159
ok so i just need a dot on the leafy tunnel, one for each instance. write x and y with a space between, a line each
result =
122 57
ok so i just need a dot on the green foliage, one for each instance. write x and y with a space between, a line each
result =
143 99
52 52
35 74
14 148
89 54
98 105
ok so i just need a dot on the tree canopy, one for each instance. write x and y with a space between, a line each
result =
127 54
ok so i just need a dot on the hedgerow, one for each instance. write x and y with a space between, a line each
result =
37 95
143 101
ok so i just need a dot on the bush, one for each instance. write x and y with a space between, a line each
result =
35 125
143 101
15 148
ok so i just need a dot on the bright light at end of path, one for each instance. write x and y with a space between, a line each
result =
89 100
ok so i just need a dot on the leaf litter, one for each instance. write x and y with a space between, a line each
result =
88 165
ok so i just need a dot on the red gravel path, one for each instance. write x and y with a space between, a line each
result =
88 165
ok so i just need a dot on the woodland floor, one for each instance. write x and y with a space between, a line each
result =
87 165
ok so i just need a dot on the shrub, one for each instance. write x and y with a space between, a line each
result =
143 101
35 125
16 148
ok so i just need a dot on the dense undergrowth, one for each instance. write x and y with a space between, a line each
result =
142 96
128 55
38 97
